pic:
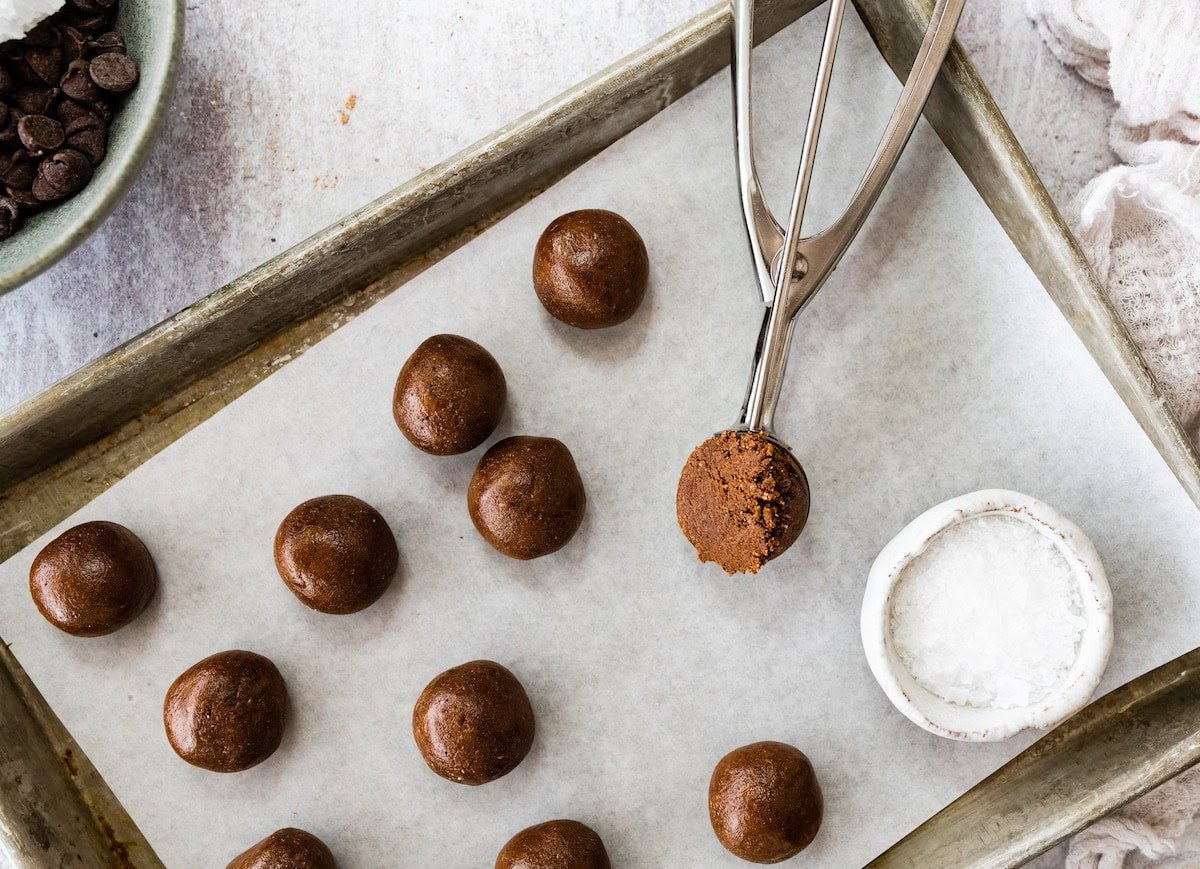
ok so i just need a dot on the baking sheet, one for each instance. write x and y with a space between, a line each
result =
932 364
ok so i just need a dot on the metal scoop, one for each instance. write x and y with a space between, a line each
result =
724 503
790 269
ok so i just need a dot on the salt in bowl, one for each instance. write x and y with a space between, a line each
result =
979 723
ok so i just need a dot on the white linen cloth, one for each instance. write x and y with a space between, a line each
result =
1139 224
1155 831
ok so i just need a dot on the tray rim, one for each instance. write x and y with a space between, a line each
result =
67 445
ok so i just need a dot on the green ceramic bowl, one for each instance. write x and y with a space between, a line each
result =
153 31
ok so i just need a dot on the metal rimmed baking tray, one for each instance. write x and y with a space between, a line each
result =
63 448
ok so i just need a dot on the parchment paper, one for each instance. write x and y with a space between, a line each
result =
932 364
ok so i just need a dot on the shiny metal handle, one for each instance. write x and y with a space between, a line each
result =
824 250
758 411
764 232
790 269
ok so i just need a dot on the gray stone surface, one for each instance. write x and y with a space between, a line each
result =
289 115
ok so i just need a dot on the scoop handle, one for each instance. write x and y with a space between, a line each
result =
790 269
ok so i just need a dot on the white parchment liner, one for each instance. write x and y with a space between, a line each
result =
932 364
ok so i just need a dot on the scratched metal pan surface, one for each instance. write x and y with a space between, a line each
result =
65 446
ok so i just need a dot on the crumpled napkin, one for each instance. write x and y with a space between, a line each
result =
1157 830
1139 222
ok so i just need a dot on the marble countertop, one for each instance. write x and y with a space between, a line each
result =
289 115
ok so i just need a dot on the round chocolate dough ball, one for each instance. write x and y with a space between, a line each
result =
226 713
473 723
742 500
554 845
93 579
336 553
526 497
764 802
288 848
449 396
590 269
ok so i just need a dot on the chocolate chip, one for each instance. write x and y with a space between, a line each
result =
43 35
100 109
35 100
46 63
8 129
74 43
83 121
77 84
26 201
6 81
89 24
22 71
68 110
65 173
19 173
107 42
45 191
10 215
91 7
89 136
92 144
40 134
114 72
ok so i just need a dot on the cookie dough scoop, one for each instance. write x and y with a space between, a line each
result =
743 498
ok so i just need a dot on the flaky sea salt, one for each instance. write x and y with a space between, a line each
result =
989 614
17 17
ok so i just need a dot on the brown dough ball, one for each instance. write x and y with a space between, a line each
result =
93 579
288 848
473 723
226 713
590 269
742 500
336 553
526 497
449 396
554 845
764 802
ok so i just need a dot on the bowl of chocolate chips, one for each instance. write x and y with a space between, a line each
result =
84 88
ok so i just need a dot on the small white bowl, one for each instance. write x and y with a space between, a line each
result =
972 723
